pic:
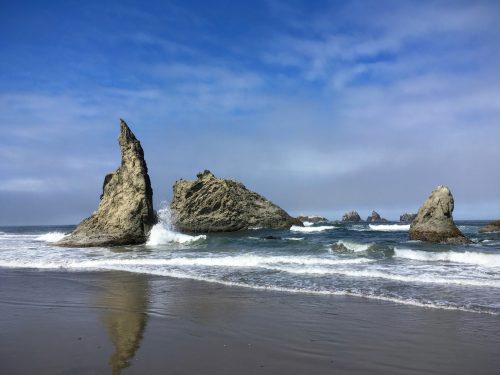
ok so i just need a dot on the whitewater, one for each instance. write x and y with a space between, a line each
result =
363 260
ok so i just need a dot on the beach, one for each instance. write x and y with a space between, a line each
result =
59 322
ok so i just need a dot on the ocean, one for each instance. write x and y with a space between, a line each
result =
375 261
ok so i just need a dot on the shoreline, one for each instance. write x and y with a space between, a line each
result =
80 322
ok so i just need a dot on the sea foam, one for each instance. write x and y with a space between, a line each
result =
467 257
163 232
296 228
51 237
390 227
353 246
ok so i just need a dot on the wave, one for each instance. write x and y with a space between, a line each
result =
210 261
375 274
276 238
308 223
295 228
390 227
467 257
162 236
51 237
163 232
352 246
297 290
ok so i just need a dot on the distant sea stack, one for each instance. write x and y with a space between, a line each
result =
312 219
375 218
407 217
352 217
125 213
493 226
211 204
434 221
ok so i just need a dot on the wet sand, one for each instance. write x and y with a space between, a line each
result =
56 322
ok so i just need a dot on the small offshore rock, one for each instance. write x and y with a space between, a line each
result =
125 213
407 218
211 204
271 238
493 226
375 218
434 221
351 216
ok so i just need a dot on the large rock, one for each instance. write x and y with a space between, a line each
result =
211 204
125 213
494 226
407 217
351 216
434 221
375 218
312 219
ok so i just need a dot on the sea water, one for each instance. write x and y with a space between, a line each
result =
374 261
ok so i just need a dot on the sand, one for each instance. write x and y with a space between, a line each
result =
58 322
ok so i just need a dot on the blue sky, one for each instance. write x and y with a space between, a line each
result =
321 106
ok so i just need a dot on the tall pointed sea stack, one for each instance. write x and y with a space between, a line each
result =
125 213
434 221
211 204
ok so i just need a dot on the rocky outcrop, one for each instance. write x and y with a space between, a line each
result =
211 204
494 226
125 213
407 217
434 221
312 219
351 216
375 218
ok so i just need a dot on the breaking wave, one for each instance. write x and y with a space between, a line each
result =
352 246
51 237
467 257
390 227
296 228
163 232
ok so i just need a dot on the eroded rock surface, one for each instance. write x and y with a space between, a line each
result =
493 226
125 213
351 216
211 204
434 221
375 218
407 217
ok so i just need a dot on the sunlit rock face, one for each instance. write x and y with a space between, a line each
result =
211 204
434 221
352 217
125 213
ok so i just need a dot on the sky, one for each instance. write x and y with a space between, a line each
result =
320 106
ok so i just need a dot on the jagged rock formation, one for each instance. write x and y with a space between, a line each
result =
312 219
434 221
493 226
375 218
125 213
407 217
211 204
351 216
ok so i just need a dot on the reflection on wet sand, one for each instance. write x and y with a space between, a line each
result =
126 301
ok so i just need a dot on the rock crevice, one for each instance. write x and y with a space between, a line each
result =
211 204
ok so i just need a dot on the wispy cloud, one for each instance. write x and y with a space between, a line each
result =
359 104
